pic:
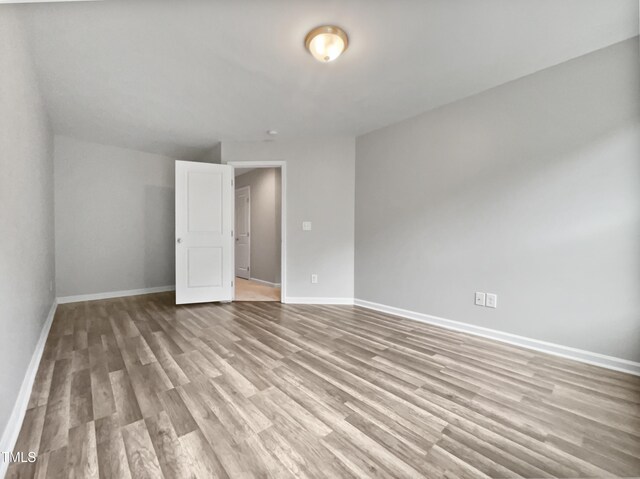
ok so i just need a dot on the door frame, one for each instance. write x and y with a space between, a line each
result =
235 192
283 214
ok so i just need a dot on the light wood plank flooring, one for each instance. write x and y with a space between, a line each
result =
249 290
140 388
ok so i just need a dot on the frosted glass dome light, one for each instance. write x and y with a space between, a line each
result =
326 43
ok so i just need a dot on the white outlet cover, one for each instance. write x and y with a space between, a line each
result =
492 300
480 299
314 278
306 226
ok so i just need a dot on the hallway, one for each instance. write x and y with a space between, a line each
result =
248 290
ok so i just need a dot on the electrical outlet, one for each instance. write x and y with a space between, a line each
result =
306 226
314 278
492 300
480 298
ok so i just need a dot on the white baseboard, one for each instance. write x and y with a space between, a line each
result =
294 300
113 294
597 359
12 430
267 283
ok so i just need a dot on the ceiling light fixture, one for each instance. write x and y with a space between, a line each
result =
326 43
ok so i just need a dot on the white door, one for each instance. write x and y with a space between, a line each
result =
204 232
243 232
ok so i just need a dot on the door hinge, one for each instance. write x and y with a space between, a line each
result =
232 182
232 233
231 283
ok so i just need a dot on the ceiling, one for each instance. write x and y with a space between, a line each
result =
176 76
242 171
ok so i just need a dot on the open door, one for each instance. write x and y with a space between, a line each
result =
204 232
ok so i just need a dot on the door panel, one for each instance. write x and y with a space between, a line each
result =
204 189
205 267
204 232
243 232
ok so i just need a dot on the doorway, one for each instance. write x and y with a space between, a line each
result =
259 231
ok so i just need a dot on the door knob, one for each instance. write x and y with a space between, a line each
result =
179 240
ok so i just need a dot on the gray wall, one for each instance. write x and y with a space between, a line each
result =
265 222
114 218
26 212
320 188
530 190
212 155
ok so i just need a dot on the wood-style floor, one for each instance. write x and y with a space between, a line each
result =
249 290
136 387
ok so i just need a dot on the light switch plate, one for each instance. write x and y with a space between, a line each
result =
492 300
306 226
480 299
